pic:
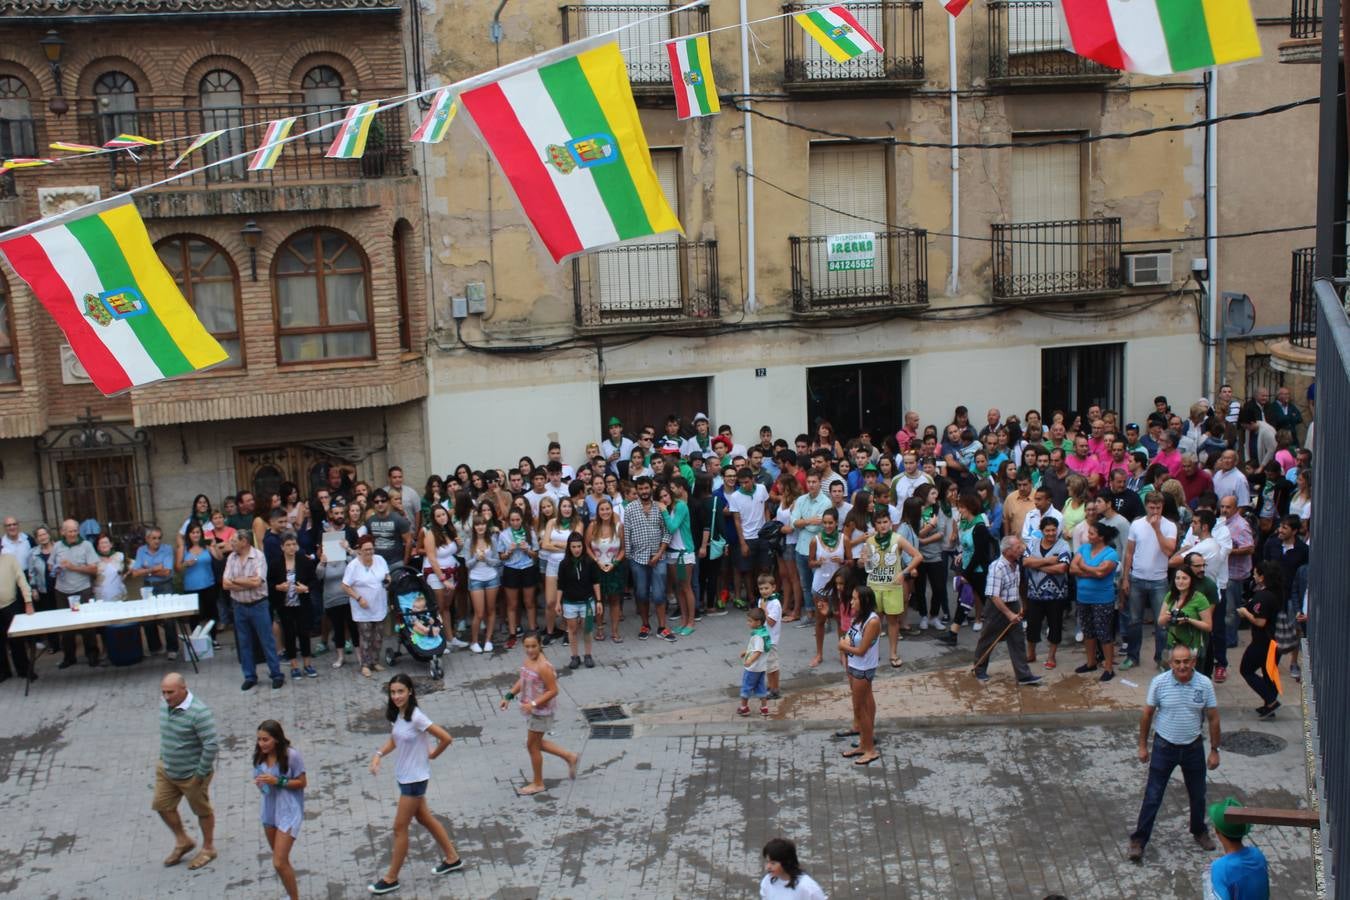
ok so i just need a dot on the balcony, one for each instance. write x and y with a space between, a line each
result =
1297 353
1051 260
647 283
1026 47
648 64
896 24
895 274
301 160
1305 33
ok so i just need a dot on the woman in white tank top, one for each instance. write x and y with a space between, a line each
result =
860 649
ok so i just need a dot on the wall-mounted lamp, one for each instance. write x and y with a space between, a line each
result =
251 234
52 46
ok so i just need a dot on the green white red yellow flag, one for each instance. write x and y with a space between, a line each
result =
69 147
692 74
24 162
119 308
273 142
127 141
350 142
568 137
437 120
198 143
1160 37
838 32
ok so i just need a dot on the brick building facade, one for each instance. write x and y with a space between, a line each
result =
324 314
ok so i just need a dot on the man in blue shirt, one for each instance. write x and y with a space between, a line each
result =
1242 872
154 563
1180 702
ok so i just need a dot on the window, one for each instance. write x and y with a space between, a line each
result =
856 397
1259 373
644 32
402 237
1074 378
222 99
207 277
16 119
851 180
116 94
1047 181
9 366
322 86
102 488
645 278
1034 27
322 297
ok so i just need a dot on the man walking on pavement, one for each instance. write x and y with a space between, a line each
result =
1003 614
187 758
1180 703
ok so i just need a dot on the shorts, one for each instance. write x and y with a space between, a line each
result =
452 577
890 598
514 579
551 565
822 601
476 585
679 558
758 555
1097 621
412 789
168 791
771 659
753 684
573 610
538 724
863 674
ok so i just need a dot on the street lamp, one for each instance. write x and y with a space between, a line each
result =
251 234
52 46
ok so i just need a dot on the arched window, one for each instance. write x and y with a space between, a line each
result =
9 365
321 286
322 86
402 251
16 119
208 279
116 96
222 98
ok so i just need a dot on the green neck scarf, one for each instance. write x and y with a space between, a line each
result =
517 535
763 632
829 540
884 540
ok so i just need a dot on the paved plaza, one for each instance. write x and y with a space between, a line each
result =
981 792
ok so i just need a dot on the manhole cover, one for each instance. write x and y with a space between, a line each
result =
611 713
611 732
1253 743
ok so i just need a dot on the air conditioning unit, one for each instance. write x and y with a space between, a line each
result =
1143 269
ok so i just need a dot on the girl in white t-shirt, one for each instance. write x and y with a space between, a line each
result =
784 878
112 565
412 768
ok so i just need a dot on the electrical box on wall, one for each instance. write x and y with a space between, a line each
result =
476 294
459 307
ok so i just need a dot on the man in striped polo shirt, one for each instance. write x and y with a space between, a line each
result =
187 757
1180 701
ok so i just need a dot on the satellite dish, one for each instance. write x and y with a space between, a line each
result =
1239 313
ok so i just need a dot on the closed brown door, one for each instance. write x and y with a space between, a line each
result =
649 402
263 469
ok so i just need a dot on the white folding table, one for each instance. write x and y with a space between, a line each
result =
97 615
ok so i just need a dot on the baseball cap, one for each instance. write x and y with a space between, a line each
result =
700 417
1217 815
870 467
615 420
667 445
1133 426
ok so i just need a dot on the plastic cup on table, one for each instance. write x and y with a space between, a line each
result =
147 592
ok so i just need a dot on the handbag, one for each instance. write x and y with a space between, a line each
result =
717 545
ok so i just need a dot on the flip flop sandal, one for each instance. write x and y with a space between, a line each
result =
1049 663
845 734
202 859
178 853
849 754
867 761
896 662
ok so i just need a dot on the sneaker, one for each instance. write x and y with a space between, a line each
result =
807 622
948 638
1136 851
666 635
1205 841
382 887
279 681
511 642
740 604
775 695
1084 669
311 672
1029 682
923 623
543 641
296 674
487 646
978 626
742 710
698 615
1296 671
320 648
644 632
475 647
445 868
457 644
589 662
764 711
945 621
1220 674
1078 636
575 663
717 611
249 684
347 647
982 676
1107 675
1268 712
172 656
934 624
1128 664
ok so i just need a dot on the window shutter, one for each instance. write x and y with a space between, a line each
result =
850 178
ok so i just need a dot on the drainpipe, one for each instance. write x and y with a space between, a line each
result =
750 301
953 280
496 31
1211 219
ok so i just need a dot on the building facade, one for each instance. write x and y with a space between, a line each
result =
1070 282
310 274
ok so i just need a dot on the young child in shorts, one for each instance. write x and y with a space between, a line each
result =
754 659
771 601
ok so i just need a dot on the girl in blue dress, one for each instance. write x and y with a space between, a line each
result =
279 773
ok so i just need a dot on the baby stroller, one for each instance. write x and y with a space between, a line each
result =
406 587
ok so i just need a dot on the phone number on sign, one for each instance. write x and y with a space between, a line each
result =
844 265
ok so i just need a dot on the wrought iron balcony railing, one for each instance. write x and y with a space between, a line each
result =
1305 20
648 64
301 160
1026 43
894 272
1057 259
896 24
1302 303
647 283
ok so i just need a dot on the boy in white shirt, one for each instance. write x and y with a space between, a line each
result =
772 603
